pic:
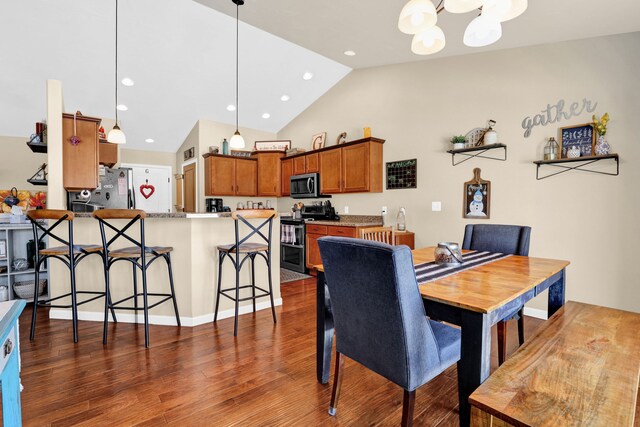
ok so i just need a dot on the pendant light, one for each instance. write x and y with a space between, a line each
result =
504 10
461 6
482 31
417 16
428 41
236 140
116 136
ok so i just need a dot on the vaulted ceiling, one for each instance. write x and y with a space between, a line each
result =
181 55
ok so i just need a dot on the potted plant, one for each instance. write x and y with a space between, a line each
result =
600 126
458 142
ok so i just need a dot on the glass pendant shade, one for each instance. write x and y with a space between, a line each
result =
482 31
417 16
461 6
116 136
504 10
428 41
236 141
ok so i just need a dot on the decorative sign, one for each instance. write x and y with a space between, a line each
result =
279 145
318 140
476 197
556 113
189 153
581 136
240 153
402 174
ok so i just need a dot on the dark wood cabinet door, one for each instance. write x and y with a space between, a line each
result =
286 172
108 154
269 171
312 249
355 168
299 167
330 171
312 163
80 161
221 172
246 177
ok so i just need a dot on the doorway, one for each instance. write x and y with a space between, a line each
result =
189 181
152 187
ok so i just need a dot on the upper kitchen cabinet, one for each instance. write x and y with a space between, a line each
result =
299 165
269 173
355 167
286 171
330 170
108 154
312 163
230 176
80 159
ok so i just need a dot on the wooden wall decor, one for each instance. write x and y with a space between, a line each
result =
476 197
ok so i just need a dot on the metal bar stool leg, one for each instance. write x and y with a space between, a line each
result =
135 287
273 307
74 302
146 303
253 280
221 256
32 335
167 258
107 302
237 299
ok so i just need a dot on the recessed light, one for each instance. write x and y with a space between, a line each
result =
122 107
148 140
349 53
231 107
284 98
127 81
307 75
266 115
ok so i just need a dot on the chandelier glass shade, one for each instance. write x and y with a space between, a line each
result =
504 10
417 16
482 31
428 41
461 6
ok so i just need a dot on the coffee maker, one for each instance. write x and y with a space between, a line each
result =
214 205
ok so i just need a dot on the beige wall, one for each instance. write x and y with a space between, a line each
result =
19 164
143 157
207 133
586 218
192 140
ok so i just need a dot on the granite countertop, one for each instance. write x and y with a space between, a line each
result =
171 215
353 221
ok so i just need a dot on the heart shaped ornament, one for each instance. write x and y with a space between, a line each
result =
147 190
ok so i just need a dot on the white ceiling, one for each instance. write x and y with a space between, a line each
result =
181 55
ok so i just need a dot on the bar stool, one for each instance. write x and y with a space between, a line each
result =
140 256
243 251
70 254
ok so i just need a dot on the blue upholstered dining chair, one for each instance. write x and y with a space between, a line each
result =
379 317
506 239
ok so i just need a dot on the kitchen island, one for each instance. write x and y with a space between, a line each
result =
194 237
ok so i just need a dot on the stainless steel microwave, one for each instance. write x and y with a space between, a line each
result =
305 186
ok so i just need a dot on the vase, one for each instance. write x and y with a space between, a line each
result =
573 152
458 145
602 146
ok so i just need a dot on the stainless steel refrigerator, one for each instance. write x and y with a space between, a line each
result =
114 191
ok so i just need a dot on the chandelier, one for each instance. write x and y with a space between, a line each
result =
419 17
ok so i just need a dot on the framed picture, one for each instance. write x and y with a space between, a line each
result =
240 153
402 174
580 136
476 197
318 140
3 248
276 145
190 153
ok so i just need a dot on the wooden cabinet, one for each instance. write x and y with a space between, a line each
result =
330 170
299 165
353 168
315 231
80 161
312 163
269 173
312 249
108 154
230 176
286 168
405 238
246 177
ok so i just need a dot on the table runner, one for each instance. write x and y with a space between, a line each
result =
430 271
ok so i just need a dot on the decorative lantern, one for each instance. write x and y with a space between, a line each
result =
551 149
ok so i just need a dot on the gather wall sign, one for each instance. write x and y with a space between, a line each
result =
556 113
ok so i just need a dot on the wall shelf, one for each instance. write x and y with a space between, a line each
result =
472 152
566 165
37 147
37 181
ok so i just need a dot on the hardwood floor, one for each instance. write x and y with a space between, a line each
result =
203 376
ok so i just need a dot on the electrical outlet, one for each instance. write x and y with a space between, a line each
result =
384 210
346 209
436 206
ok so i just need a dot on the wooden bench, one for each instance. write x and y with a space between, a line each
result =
582 368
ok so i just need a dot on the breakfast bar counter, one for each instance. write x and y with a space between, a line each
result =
194 237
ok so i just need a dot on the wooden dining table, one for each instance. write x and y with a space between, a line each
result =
474 299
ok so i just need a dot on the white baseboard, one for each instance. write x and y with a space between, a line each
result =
160 320
535 312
